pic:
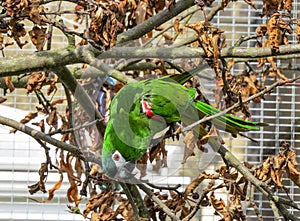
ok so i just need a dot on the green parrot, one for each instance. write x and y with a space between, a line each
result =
142 112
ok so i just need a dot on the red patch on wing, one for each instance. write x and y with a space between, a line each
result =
146 107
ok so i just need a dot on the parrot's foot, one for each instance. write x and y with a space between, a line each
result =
174 131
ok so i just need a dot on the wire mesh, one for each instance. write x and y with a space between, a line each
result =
20 156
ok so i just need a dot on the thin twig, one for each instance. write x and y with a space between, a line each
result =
164 187
68 31
155 199
60 131
275 211
287 202
250 199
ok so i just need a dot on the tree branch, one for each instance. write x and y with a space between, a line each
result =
153 22
230 159
82 97
46 60
155 199
41 136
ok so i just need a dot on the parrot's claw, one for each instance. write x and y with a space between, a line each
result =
177 131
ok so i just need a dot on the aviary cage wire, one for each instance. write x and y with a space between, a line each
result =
20 156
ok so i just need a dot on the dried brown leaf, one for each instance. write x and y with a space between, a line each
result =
35 13
261 30
288 5
40 124
292 171
66 166
17 32
251 3
298 31
219 205
38 37
128 212
26 119
190 141
168 38
56 186
40 185
35 81
52 118
196 182
263 172
272 30
2 99
176 26
141 165
95 216
9 83
58 101
235 209
278 167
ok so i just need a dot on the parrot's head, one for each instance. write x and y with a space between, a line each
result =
115 166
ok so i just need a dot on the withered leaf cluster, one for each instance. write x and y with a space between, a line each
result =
17 11
211 40
273 168
272 35
174 200
37 80
272 6
276 30
271 171
65 166
157 155
238 87
235 186
105 26
100 207
112 17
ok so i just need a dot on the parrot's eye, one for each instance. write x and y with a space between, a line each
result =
116 157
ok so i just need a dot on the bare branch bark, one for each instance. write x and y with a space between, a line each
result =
46 60
79 93
154 22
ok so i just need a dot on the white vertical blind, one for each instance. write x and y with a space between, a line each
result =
21 156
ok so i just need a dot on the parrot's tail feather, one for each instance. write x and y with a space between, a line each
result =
227 122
